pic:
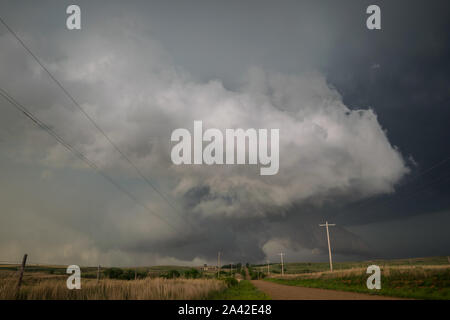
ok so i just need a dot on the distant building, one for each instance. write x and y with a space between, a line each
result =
209 268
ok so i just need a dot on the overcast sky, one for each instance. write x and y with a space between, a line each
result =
363 118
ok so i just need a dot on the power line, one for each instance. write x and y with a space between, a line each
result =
33 263
71 98
421 188
9 262
387 203
77 153
438 164
418 190
426 171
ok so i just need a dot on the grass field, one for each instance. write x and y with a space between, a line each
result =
243 291
152 283
39 286
421 278
417 282
309 267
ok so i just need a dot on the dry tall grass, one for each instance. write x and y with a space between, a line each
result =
418 271
46 288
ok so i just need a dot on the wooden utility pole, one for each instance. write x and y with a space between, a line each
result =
98 273
22 269
282 263
326 225
268 268
135 273
218 264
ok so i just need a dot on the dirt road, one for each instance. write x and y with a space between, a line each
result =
284 292
247 275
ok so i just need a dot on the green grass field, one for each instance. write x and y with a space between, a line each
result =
309 267
414 282
242 291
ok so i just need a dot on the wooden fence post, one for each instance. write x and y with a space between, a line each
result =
22 269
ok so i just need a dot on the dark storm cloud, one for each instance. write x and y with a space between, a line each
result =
145 68
410 91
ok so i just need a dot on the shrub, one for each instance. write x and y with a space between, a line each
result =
127 275
113 273
171 274
192 274
231 282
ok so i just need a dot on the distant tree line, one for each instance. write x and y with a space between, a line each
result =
129 274
121 274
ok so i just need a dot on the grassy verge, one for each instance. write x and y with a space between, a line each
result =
417 283
242 291
308 267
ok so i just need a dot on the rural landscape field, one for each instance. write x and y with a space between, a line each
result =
418 278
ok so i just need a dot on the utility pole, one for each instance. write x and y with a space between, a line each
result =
218 264
268 268
231 267
326 225
282 263
98 273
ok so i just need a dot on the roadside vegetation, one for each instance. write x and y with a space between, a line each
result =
242 290
310 267
407 282
255 273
